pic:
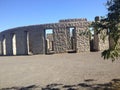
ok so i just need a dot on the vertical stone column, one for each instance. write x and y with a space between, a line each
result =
37 41
26 42
30 41
103 44
99 44
96 37
60 40
74 39
21 43
69 46
42 42
9 50
96 42
82 40
3 44
1 47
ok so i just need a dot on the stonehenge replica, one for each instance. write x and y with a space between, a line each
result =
69 35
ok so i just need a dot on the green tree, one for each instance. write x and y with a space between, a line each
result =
111 23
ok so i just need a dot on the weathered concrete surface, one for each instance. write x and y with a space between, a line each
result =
66 69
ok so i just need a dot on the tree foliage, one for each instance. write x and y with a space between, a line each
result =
111 23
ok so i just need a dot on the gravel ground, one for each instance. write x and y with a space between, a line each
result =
58 70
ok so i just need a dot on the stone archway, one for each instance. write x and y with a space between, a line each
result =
71 41
49 42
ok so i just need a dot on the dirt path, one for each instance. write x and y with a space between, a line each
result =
64 69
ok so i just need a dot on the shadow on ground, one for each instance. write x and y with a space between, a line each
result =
31 87
87 85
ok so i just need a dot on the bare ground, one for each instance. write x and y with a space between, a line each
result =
61 71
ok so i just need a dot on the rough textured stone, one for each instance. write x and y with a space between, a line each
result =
99 43
31 39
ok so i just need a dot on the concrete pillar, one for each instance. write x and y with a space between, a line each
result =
82 40
9 44
60 40
96 42
21 43
26 42
1 46
74 39
37 41
99 44
68 39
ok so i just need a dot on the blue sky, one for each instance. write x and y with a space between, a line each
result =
15 13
